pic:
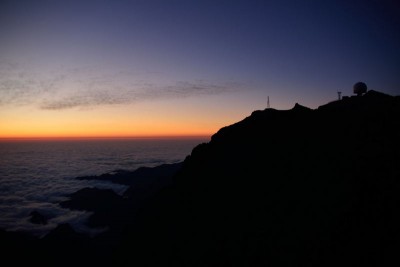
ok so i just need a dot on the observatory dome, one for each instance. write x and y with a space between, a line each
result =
359 88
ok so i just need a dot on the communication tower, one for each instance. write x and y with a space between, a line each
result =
339 95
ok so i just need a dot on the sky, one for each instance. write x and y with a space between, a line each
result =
183 68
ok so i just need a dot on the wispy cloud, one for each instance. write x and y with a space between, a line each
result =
90 87
137 93
81 100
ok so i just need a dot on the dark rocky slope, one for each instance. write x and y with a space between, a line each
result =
296 187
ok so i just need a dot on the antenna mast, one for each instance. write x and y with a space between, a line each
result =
268 102
339 95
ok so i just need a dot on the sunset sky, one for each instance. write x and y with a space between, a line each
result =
183 68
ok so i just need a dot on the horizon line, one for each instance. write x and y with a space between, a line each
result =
84 138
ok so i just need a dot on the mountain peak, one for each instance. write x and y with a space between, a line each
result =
298 107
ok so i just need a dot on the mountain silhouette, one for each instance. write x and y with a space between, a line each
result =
294 187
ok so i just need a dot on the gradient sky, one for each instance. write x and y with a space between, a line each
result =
151 68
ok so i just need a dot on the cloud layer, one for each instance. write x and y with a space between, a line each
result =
38 175
30 196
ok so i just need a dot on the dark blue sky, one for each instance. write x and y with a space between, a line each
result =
293 51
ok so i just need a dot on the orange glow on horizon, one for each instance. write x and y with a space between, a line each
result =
62 133
102 134
156 119
89 138
62 130
84 128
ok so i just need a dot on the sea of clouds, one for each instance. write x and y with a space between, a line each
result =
19 197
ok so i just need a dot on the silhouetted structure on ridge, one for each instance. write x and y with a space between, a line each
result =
360 88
